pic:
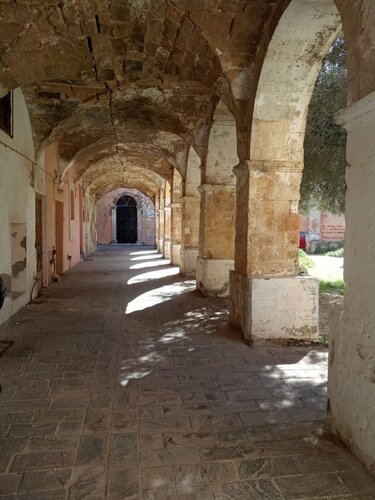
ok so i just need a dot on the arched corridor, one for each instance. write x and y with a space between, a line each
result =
123 382
178 127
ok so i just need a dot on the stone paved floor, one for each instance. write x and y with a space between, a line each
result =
124 383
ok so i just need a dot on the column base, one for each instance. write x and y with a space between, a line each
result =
188 264
167 249
275 309
176 254
161 246
213 276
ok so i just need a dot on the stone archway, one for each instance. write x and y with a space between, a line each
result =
267 224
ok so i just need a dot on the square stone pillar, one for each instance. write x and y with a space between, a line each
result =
216 239
156 221
167 231
190 235
161 231
268 299
176 233
351 380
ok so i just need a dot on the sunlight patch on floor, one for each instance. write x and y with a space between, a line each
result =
159 295
148 257
134 376
144 252
151 263
171 337
154 275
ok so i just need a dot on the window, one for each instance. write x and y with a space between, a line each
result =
6 113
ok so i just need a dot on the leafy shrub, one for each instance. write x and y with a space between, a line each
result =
337 287
336 253
304 260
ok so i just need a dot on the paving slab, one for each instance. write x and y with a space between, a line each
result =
165 402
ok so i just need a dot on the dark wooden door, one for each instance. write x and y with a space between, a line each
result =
126 220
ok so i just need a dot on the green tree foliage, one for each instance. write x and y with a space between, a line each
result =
323 182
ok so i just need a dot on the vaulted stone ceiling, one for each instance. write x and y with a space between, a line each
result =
130 81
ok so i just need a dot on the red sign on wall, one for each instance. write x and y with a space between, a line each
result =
332 232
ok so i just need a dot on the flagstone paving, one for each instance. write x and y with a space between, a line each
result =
122 382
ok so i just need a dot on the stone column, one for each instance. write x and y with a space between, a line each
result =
176 233
190 207
114 224
161 231
351 380
217 212
167 210
268 299
167 231
216 239
176 218
161 222
157 221
190 215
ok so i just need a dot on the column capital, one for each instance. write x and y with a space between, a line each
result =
215 188
176 204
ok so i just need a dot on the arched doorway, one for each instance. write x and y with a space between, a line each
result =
126 220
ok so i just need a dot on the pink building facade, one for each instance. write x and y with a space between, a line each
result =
322 228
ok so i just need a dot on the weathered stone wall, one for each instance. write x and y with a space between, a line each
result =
358 19
351 389
17 210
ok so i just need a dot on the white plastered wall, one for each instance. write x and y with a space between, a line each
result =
17 202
